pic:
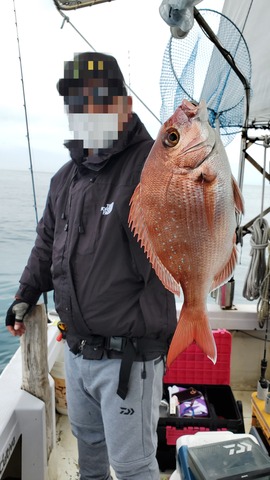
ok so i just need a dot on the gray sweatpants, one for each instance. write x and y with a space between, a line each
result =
109 430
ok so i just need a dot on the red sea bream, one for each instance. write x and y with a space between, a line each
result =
184 214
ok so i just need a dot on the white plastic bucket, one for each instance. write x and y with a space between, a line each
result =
58 374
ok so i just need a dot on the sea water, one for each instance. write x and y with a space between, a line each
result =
17 235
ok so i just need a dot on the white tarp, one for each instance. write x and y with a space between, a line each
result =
252 17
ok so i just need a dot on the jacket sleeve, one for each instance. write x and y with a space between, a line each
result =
36 277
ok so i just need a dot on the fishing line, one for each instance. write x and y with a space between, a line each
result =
27 133
66 19
247 16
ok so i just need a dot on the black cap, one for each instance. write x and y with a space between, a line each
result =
92 65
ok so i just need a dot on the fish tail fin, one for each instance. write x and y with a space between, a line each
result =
190 328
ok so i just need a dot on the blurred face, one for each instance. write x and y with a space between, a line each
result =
96 115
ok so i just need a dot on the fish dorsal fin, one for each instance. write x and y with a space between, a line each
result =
138 226
238 197
227 271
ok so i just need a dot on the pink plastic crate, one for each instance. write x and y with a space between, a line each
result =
193 366
172 433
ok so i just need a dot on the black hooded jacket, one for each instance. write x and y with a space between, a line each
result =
84 249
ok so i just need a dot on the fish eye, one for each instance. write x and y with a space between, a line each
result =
171 138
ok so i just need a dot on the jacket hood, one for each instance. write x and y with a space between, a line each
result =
135 133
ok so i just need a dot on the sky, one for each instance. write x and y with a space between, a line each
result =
131 30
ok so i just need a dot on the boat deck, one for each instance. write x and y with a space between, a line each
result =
63 464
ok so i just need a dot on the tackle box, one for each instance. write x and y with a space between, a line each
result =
229 461
237 442
222 412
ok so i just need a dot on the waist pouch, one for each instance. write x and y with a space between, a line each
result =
128 349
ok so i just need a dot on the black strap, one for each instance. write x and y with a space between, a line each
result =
128 358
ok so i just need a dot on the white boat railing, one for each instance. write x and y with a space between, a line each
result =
26 439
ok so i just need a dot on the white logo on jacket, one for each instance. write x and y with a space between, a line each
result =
108 209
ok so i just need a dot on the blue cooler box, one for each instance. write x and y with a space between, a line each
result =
221 456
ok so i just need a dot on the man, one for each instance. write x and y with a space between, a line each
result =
118 317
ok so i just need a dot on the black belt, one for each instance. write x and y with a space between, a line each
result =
94 346
128 349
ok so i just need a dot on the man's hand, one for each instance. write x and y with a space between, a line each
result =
15 315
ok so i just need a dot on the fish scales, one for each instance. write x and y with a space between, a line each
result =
183 212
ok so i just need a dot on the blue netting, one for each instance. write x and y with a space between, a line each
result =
193 68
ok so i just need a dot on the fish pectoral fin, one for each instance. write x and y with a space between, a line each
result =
163 274
192 326
139 228
223 276
238 197
206 176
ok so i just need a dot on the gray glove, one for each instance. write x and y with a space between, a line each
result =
16 312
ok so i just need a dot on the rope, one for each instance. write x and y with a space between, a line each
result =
263 303
256 273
